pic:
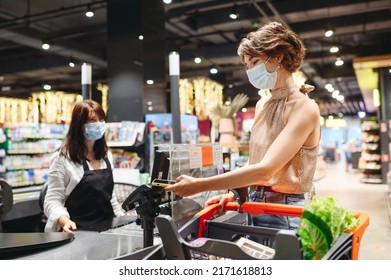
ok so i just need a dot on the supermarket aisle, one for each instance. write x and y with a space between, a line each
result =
367 198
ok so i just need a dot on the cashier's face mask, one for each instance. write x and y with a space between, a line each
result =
95 131
260 78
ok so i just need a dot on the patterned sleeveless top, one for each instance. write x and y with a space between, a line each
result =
297 175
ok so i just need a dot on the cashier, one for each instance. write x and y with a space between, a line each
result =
80 182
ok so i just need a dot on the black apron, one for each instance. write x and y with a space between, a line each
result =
89 202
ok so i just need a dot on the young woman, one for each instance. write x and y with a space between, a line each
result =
286 131
80 182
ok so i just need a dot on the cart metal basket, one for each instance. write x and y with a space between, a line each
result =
217 230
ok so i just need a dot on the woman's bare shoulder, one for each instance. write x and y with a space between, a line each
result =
303 103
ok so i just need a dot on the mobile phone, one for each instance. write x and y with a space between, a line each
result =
162 183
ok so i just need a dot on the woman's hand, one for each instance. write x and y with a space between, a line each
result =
185 186
66 224
221 199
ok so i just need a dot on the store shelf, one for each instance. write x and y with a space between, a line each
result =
28 150
371 181
373 166
114 144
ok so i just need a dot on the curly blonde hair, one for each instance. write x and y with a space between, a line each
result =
271 40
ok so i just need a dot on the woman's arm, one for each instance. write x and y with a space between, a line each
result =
114 201
303 124
55 196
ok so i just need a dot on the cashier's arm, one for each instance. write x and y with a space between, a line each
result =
66 224
301 129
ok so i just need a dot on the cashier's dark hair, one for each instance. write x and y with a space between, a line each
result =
74 146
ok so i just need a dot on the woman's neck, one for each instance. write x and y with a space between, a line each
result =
90 149
284 79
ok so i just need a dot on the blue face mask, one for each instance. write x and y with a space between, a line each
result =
95 131
260 78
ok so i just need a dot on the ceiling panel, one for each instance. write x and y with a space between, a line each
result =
196 28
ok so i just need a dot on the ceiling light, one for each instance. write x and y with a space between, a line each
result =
5 88
389 70
335 94
213 70
329 87
340 98
150 82
334 49
45 46
230 86
338 61
233 14
197 60
71 63
167 1
329 32
361 114
47 87
89 12
141 37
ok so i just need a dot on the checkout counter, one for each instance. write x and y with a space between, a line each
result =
124 242
124 238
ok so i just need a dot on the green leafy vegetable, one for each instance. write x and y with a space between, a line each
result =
321 224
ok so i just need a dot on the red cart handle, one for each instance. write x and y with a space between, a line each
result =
208 213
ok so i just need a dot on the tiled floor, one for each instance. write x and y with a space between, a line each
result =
372 199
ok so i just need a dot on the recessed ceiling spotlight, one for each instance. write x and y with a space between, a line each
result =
329 87
71 64
213 70
167 1
150 82
338 61
47 87
141 37
361 114
329 32
334 49
90 13
45 46
197 60
233 14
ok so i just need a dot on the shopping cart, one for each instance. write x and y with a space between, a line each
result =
210 234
